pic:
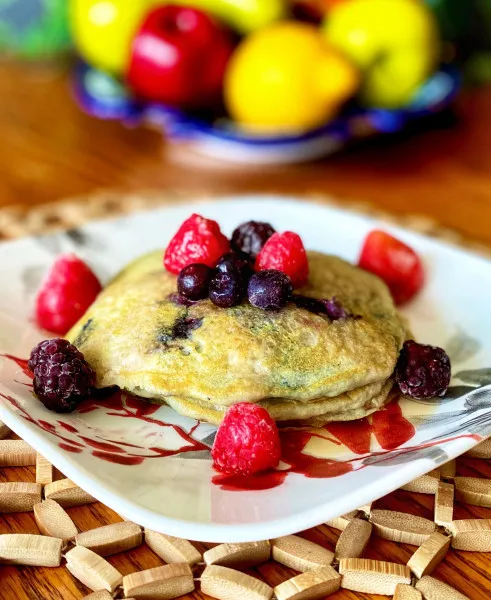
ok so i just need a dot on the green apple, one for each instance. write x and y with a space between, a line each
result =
395 43
243 16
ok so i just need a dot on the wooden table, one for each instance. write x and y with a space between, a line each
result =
49 150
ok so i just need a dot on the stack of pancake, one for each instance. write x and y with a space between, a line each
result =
201 359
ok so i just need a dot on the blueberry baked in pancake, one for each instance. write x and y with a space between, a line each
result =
255 325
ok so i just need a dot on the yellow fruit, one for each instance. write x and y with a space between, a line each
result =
103 30
242 15
395 43
286 78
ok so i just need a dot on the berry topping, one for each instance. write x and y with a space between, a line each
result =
247 441
227 288
423 371
193 281
62 378
67 292
250 237
335 310
332 308
395 263
285 252
236 261
269 290
198 240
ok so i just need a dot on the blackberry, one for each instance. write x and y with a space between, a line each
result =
62 377
269 290
423 371
250 237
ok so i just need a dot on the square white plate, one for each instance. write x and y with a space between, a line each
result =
152 465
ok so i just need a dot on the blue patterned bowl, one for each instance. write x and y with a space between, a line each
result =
102 96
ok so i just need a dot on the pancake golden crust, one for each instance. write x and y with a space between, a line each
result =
292 361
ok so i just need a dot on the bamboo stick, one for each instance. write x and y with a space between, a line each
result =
172 549
429 555
238 556
407 592
401 527
16 453
226 584
92 570
4 431
427 484
311 585
433 589
448 470
372 576
472 490
100 595
111 539
342 522
67 494
353 540
482 450
19 496
300 554
473 535
444 503
366 509
30 550
53 521
44 470
160 583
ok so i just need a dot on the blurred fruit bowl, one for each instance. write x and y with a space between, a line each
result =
103 96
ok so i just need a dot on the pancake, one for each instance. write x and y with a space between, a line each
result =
201 359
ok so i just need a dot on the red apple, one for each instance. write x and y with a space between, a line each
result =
179 57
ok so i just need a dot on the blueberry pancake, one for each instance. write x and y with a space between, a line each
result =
200 359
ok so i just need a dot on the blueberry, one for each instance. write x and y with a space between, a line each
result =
423 371
269 290
250 237
236 261
227 288
193 281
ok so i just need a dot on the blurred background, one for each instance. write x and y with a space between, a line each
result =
385 101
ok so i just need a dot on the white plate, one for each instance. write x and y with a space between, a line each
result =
176 493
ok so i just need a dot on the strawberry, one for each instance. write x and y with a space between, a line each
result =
395 263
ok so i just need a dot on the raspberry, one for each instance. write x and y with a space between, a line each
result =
247 441
67 292
198 240
62 378
423 371
285 252
250 237
395 263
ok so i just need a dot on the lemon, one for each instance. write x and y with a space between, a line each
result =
287 78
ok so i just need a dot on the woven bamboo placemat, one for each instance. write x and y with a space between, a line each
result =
389 535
